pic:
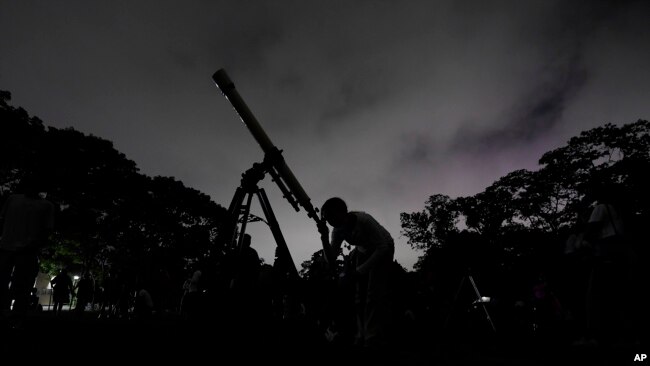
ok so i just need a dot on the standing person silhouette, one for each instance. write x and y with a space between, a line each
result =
245 282
85 289
608 288
62 288
192 305
27 220
374 250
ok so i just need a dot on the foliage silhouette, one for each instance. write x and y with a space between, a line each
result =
547 202
110 216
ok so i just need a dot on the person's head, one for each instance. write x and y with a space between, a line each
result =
335 212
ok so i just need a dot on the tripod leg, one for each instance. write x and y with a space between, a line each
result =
237 199
237 237
277 233
480 298
234 210
244 220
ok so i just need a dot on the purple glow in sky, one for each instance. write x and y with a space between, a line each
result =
382 103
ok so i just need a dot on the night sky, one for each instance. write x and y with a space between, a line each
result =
381 103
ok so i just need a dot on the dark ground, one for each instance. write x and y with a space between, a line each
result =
86 339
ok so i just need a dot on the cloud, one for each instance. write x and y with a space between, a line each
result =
358 92
382 102
534 114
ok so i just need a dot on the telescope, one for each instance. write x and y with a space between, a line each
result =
273 164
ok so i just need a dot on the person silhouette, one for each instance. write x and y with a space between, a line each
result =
85 289
61 290
374 250
143 307
192 302
34 300
244 283
27 220
608 288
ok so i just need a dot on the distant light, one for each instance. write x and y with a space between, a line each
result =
75 277
485 299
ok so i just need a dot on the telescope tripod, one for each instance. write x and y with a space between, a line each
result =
480 300
239 212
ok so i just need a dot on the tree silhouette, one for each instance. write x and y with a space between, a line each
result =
526 210
110 216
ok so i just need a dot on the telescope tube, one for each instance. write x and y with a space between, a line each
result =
228 89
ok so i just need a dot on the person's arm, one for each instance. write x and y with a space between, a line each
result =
335 246
328 253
